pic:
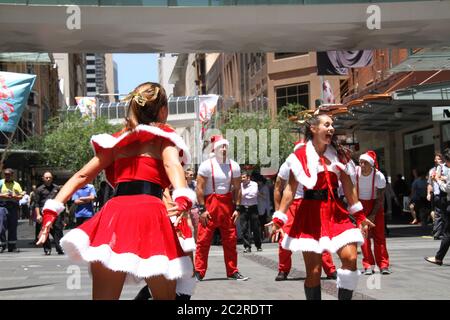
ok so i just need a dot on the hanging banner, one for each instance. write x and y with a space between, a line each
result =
207 108
338 62
87 106
328 96
14 91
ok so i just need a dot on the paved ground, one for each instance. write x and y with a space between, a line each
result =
31 275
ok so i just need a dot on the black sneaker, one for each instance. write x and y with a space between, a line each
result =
368 272
281 276
259 249
247 250
237 276
198 276
2 249
385 271
47 252
14 250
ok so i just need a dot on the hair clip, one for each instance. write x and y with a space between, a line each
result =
303 116
140 100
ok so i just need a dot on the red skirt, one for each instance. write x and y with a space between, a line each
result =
319 226
131 234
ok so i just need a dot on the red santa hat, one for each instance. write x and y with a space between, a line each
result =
371 157
298 144
218 141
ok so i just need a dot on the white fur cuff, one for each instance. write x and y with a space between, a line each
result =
280 215
54 205
355 208
347 279
185 192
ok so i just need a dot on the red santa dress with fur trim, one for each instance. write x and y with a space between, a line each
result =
132 233
319 225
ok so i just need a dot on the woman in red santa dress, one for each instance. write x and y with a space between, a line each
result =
132 235
321 223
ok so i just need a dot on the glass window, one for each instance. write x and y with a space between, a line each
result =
294 94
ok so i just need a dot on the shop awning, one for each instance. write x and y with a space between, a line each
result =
406 102
425 60
25 57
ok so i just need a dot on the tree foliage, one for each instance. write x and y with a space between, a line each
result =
287 135
66 142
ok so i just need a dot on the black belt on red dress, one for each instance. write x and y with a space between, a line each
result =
138 187
318 194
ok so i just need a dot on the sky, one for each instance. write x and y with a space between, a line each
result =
134 69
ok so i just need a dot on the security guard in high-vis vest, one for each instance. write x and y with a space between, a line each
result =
10 194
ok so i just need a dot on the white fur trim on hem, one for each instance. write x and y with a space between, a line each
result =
186 285
353 235
76 244
185 192
54 205
355 208
188 244
347 279
324 244
280 215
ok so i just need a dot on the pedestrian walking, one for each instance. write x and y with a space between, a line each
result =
249 217
10 195
444 184
48 190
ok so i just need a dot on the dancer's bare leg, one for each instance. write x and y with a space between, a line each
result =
106 284
161 288
348 255
313 266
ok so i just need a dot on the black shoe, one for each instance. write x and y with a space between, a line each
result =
61 252
259 249
247 250
14 250
281 276
2 249
198 276
332 276
433 260
237 276
47 252
385 271
368 272
143 294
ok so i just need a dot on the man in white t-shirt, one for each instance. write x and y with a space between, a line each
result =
218 196
370 185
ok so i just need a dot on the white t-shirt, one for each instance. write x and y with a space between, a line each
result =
222 175
249 194
283 173
365 184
